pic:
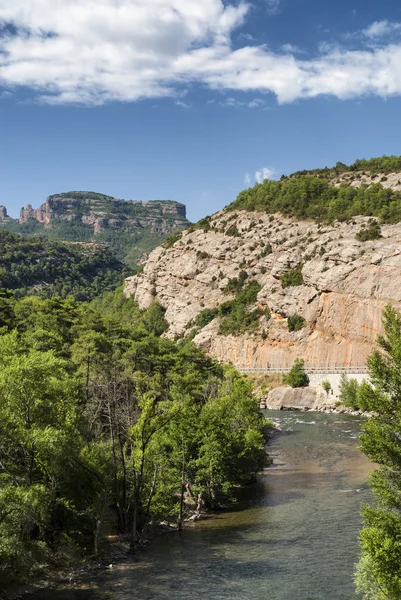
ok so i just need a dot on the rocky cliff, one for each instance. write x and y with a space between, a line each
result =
101 212
346 284
130 228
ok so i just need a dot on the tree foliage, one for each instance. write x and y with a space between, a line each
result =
33 265
312 197
379 571
105 426
297 377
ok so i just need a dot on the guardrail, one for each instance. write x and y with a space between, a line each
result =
310 370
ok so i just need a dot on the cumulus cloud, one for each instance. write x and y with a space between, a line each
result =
247 179
263 174
291 49
380 29
94 51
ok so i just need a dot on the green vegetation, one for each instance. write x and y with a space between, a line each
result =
326 385
33 265
104 426
292 277
349 389
311 197
206 316
130 229
202 224
379 571
172 239
236 315
236 284
382 164
372 232
233 231
295 323
297 377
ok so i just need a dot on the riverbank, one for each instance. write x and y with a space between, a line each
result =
293 536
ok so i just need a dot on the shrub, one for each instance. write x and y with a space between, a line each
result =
237 317
172 239
349 389
326 385
295 323
372 232
206 316
297 377
292 277
236 284
266 251
233 230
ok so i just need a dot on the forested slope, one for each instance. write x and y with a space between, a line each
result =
105 426
34 265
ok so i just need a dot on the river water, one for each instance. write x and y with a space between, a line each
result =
294 536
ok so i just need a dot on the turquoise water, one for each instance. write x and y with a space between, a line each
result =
294 536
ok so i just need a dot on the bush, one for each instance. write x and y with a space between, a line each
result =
292 277
237 317
297 377
372 232
295 322
206 316
233 230
349 389
236 284
326 385
172 239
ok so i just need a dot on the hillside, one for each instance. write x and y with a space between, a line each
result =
34 265
292 269
130 228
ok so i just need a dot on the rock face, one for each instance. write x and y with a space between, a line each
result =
101 212
358 178
288 398
4 218
346 285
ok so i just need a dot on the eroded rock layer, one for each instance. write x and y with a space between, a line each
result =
346 285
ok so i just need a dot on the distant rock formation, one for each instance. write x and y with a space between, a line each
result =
102 212
4 218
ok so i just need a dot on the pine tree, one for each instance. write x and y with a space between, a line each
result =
379 570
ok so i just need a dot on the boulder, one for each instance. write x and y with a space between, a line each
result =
307 398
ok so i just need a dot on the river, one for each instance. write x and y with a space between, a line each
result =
293 537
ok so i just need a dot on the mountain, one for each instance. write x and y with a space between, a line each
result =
35 265
130 228
296 268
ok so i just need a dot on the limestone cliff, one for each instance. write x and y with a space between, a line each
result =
346 285
101 212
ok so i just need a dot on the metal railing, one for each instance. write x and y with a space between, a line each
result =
329 370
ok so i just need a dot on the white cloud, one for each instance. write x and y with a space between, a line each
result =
273 6
291 49
182 104
263 174
234 103
247 36
94 51
247 179
380 29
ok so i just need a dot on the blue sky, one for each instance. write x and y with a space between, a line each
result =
190 100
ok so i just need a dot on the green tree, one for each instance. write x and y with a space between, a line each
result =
349 391
297 377
379 571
